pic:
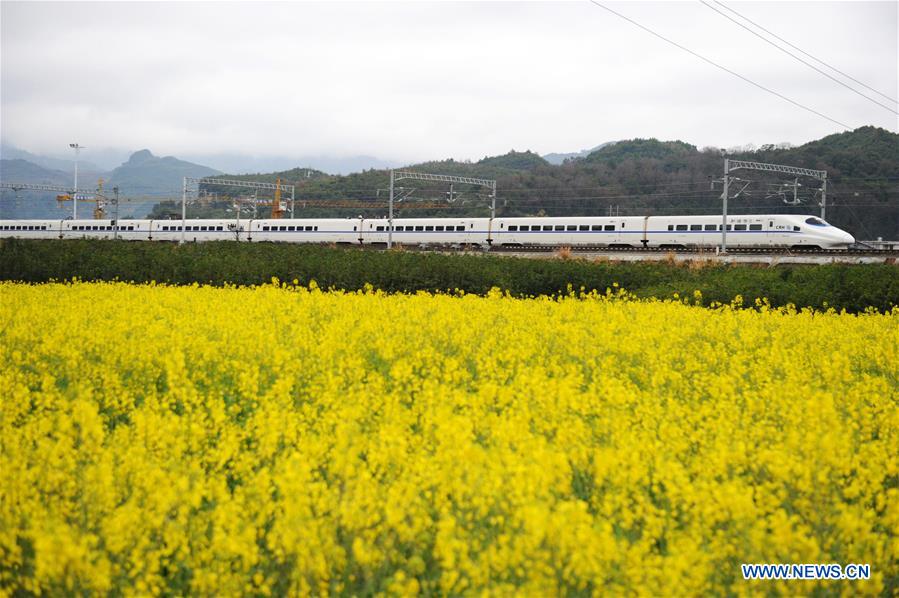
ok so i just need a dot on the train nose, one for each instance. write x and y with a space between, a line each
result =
847 238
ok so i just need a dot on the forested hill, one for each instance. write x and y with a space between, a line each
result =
634 177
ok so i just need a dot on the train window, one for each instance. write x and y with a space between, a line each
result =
670 227
312 228
282 228
560 227
460 229
681 227
770 224
729 226
695 227
315 228
755 227
429 228
815 221
165 228
419 228
547 227
513 228
132 228
96 228
796 228
523 227
740 227
291 229
584 227
264 229
711 227
571 227
596 227
380 228
610 227
622 225
219 228
439 229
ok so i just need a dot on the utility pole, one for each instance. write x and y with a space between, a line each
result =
823 194
183 209
390 214
115 191
724 199
77 149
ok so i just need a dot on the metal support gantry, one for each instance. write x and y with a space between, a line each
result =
398 175
196 182
732 165
53 188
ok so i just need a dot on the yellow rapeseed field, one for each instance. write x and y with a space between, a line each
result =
278 440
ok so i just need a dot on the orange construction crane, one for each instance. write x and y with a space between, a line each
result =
277 210
98 198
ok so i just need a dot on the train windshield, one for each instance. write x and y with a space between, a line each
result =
815 222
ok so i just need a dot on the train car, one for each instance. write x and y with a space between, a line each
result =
308 230
195 230
795 231
573 231
426 231
133 230
30 229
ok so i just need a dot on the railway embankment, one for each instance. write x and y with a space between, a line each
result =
853 287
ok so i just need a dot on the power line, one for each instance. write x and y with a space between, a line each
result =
788 53
804 52
725 69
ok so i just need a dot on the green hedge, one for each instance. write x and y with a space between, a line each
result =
853 287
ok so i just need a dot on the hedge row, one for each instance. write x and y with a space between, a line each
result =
850 287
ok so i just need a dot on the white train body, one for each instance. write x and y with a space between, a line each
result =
644 231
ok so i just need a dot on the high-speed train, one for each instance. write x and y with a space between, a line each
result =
793 231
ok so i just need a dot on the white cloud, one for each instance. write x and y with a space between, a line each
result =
412 81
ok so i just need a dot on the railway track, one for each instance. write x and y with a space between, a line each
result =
705 252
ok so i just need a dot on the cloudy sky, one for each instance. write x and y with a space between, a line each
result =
410 81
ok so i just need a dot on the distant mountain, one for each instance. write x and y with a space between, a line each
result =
560 158
248 164
515 160
31 204
23 171
8 152
146 174
652 149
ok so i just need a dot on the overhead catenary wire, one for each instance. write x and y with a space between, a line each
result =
830 66
788 53
723 68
